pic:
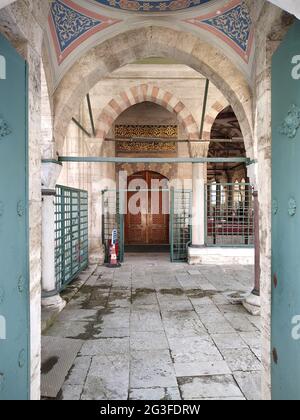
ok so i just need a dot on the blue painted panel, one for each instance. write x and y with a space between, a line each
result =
152 5
286 218
14 278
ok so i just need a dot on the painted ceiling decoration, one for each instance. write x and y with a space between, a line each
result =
152 5
75 26
71 24
232 24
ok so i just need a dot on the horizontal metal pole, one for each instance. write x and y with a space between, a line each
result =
170 140
94 159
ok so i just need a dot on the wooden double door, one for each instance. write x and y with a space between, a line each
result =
147 218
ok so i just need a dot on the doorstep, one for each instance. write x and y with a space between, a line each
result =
221 256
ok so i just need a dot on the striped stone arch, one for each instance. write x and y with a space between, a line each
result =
211 116
146 93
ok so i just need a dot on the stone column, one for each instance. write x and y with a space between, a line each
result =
252 303
198 219
198 150
102 178
50 296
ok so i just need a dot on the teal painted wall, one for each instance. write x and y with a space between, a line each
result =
14 278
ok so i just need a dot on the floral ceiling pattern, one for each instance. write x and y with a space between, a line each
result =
71 24
232 24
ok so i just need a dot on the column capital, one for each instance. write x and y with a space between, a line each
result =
50 172
199 149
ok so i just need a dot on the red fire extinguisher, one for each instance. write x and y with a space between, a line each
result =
113 257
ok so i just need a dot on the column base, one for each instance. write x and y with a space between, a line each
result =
53 303
252 304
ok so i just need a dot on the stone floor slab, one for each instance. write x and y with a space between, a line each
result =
68 329
155 394
240 322
152 325
201 369
152 369
108 378
250 384
146 341
75 315
229 341
105 346
209 387
194 349
144 321
78 373
71 393
241 360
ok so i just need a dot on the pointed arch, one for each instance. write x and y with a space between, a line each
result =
146 93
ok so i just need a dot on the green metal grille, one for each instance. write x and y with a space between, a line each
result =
71 234
180 224
113 218
230 215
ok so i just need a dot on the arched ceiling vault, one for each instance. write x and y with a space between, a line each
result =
143 43
76 26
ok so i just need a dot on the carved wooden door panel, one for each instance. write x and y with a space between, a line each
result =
135 222
151 225
159 210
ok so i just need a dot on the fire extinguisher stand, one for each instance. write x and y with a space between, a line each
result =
113 257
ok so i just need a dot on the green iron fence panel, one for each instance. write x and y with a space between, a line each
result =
71 233
113 218
229 215
180 224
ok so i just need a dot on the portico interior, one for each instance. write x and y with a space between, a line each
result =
166 106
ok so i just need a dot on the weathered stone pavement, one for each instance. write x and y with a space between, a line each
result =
155 330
